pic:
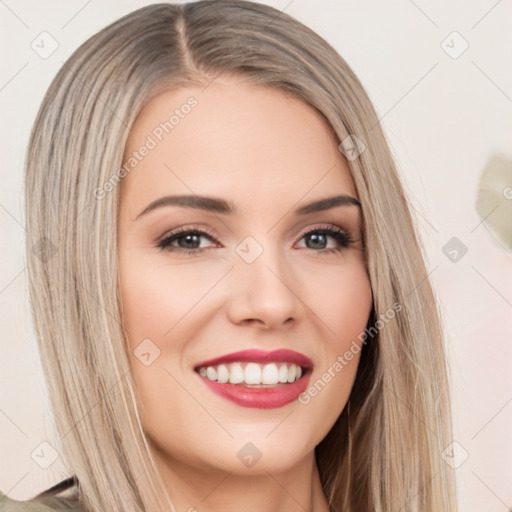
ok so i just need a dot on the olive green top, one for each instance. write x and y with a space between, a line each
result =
48 504
44 504
62 497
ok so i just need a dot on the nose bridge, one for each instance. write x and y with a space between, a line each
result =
262 283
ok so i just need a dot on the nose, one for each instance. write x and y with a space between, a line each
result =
264 293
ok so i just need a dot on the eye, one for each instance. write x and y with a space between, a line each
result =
185 239
318 239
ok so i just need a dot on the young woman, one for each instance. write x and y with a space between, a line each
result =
231 302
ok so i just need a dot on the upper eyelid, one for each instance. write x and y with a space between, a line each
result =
187 229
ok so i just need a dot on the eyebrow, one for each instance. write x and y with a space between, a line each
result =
216 205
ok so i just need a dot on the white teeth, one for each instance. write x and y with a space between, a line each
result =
291 373
283 373
253 373
236 373
222 374
211 373
270 374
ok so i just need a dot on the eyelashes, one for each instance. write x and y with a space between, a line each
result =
183 233
342 238
189 240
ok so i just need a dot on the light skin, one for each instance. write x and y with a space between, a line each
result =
268 154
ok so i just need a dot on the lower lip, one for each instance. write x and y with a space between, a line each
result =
259 398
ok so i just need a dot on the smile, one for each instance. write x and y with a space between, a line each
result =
257 379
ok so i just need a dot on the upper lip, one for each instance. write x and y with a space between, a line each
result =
260 356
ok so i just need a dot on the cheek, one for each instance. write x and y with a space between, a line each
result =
146 302
158 296
342 300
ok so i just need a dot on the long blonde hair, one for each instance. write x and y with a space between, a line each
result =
386 454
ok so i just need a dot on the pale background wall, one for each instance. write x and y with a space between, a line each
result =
444 118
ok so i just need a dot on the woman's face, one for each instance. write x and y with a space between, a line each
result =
200 282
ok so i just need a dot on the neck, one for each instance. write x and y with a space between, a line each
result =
195 488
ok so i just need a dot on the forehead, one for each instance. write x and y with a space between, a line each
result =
252 144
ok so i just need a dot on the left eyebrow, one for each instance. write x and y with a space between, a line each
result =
326 204
221 206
